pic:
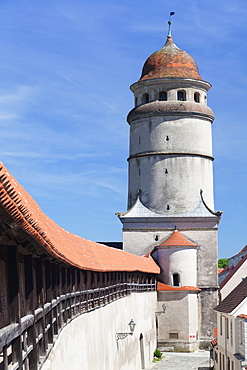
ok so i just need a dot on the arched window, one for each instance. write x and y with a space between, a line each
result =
181 95
163 95
197 97
145 98
176 279
136 100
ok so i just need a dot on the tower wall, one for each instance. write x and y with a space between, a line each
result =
172 261
170 162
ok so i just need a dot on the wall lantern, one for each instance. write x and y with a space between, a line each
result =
132 325
160 312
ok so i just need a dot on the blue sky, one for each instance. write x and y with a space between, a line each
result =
65 71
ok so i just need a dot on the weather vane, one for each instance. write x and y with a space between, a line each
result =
170 23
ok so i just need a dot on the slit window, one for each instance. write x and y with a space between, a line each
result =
176 279
181 95
163 95
145 98
197 97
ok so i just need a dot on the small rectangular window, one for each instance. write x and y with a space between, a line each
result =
173 335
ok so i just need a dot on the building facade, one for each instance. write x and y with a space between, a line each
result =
171 181
230 348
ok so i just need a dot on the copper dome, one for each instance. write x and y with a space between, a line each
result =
170 62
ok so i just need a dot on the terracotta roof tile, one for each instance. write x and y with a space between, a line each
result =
215 332
164 287
170 62
214 342
176 239
61 244
242 316
236 296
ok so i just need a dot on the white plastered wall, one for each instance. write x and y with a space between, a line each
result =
172 261
181 317
89 341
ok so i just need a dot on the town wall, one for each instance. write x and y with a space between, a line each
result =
90 342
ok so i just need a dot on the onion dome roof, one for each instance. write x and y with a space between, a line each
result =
170 62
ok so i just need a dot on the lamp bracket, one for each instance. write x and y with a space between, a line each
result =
158 313
122 335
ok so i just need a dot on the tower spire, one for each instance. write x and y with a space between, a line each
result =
170 25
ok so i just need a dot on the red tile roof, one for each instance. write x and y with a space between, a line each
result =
61 244
220 269
214 342
215 332
170 62
176 239
242 316
164 287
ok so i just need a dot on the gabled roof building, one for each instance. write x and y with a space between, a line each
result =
230 350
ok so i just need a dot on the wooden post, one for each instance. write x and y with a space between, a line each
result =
54 311
14 300
40 299
60 306
49 299
30 307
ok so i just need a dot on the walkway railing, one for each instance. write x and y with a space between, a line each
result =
27 344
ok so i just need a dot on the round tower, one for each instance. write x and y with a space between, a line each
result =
171 183
170 134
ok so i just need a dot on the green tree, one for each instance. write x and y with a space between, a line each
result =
222 262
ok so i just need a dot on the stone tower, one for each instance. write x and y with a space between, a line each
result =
171 183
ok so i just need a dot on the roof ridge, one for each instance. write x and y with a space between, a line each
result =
233 271
234 298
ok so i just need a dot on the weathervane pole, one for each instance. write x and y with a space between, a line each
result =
169 24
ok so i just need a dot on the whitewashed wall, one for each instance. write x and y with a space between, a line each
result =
89 341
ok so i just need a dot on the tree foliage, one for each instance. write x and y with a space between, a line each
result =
222 263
